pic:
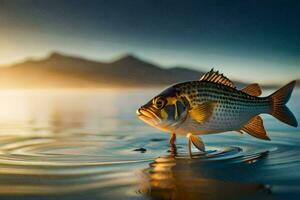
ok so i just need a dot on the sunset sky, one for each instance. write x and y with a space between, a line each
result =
249 40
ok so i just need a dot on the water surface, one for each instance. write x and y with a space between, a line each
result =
74 144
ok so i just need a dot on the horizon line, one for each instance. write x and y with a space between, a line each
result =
116 58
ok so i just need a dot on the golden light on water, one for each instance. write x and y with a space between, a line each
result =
58 109
13 105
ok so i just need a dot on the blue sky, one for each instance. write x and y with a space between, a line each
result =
246 40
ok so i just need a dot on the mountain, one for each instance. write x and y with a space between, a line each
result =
63 71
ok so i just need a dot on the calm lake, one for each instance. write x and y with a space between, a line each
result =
75 144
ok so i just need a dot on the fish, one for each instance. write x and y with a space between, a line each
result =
213 104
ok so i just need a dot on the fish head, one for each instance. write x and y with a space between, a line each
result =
165 110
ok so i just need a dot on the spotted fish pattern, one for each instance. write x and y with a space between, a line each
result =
213 104
233 107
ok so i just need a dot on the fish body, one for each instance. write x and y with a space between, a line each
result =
214 105
232 108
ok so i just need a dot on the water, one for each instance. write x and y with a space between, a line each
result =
73 144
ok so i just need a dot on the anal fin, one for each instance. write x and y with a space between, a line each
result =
255 127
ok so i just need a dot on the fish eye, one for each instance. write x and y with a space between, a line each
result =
160 102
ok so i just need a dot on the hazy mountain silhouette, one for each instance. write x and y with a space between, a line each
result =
58 70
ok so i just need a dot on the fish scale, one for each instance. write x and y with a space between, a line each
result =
214 105
234 108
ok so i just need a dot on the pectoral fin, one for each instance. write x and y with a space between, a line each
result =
203 112
255 127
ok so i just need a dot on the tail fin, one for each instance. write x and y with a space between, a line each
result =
279 109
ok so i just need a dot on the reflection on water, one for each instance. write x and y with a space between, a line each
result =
73 144
209 176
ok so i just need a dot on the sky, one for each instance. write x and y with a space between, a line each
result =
246 40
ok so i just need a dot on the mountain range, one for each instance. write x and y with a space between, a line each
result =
64 71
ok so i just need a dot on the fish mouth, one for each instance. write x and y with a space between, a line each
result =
147 114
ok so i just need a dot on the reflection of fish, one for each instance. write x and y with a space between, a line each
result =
179 178
214 105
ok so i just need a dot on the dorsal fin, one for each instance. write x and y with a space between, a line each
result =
255 127
215 77
252 89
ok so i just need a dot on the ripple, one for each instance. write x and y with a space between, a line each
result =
45 166
211 175
66 165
